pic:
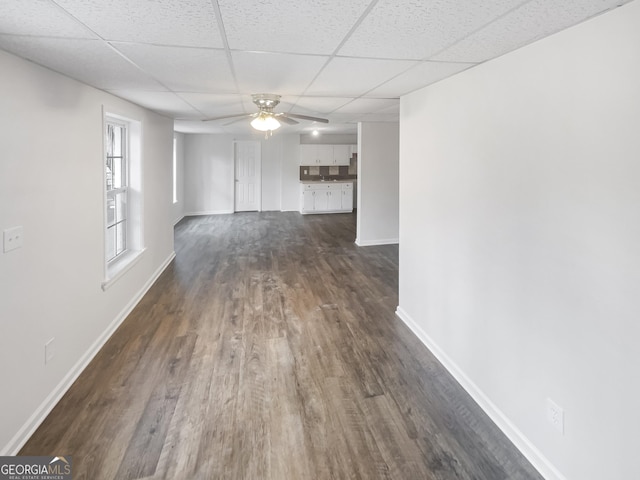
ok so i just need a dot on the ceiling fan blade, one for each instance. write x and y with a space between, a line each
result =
285 119
227 116
244 117
306 117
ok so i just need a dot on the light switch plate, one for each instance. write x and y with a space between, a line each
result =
12 238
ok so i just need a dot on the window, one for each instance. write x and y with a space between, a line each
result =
117 178
123 195
175 173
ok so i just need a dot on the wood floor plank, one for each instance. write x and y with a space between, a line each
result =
151 430
269 349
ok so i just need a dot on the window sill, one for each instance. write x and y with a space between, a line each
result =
119 267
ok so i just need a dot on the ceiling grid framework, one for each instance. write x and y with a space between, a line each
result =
345 61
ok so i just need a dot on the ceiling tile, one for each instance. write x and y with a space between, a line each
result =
183 69
90 61
420 76
413 29
39 17
312 26
379 117
324 105
165 103
196 126
331 128
186 23
275 73
367 105
346 77
212 105
534 20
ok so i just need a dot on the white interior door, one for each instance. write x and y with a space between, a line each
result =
247 176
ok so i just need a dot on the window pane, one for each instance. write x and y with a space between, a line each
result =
121 206
121 237
117 141
109 140
175 173
111 209
118 172
111 242
116 166
109 173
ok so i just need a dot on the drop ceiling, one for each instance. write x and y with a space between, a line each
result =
347 61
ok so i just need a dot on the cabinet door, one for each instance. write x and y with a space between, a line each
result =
335 198
308 157
341 154
316 155
324 154
307 200
320 201
347 196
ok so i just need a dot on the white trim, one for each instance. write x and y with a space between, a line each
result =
178 220
322 212
208 212
34 421
119 266
371 243
522 443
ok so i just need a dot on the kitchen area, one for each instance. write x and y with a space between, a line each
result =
328 175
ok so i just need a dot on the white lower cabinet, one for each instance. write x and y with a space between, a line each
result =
326 197
347 196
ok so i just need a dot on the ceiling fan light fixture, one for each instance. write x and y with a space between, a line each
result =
265 122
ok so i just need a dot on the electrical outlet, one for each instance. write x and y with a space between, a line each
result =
555 415
12 238
49 351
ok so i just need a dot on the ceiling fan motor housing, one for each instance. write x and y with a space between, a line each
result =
266 101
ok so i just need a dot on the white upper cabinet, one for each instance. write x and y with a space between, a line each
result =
325 155
311 155
341 154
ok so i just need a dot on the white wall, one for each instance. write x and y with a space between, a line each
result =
51 183
329 139
271 173
520 235
178 208
209 172
377 195
290 182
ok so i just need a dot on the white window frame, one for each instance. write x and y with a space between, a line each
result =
113 194
116 267
175 170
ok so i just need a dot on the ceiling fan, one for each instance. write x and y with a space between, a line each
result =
265 120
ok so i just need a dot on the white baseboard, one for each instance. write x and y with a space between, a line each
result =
208 212
371 243
522 443
30 426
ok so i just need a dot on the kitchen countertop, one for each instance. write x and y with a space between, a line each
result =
328 181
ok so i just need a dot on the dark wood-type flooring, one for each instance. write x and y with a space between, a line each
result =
269 349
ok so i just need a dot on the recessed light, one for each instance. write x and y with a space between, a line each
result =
315 133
